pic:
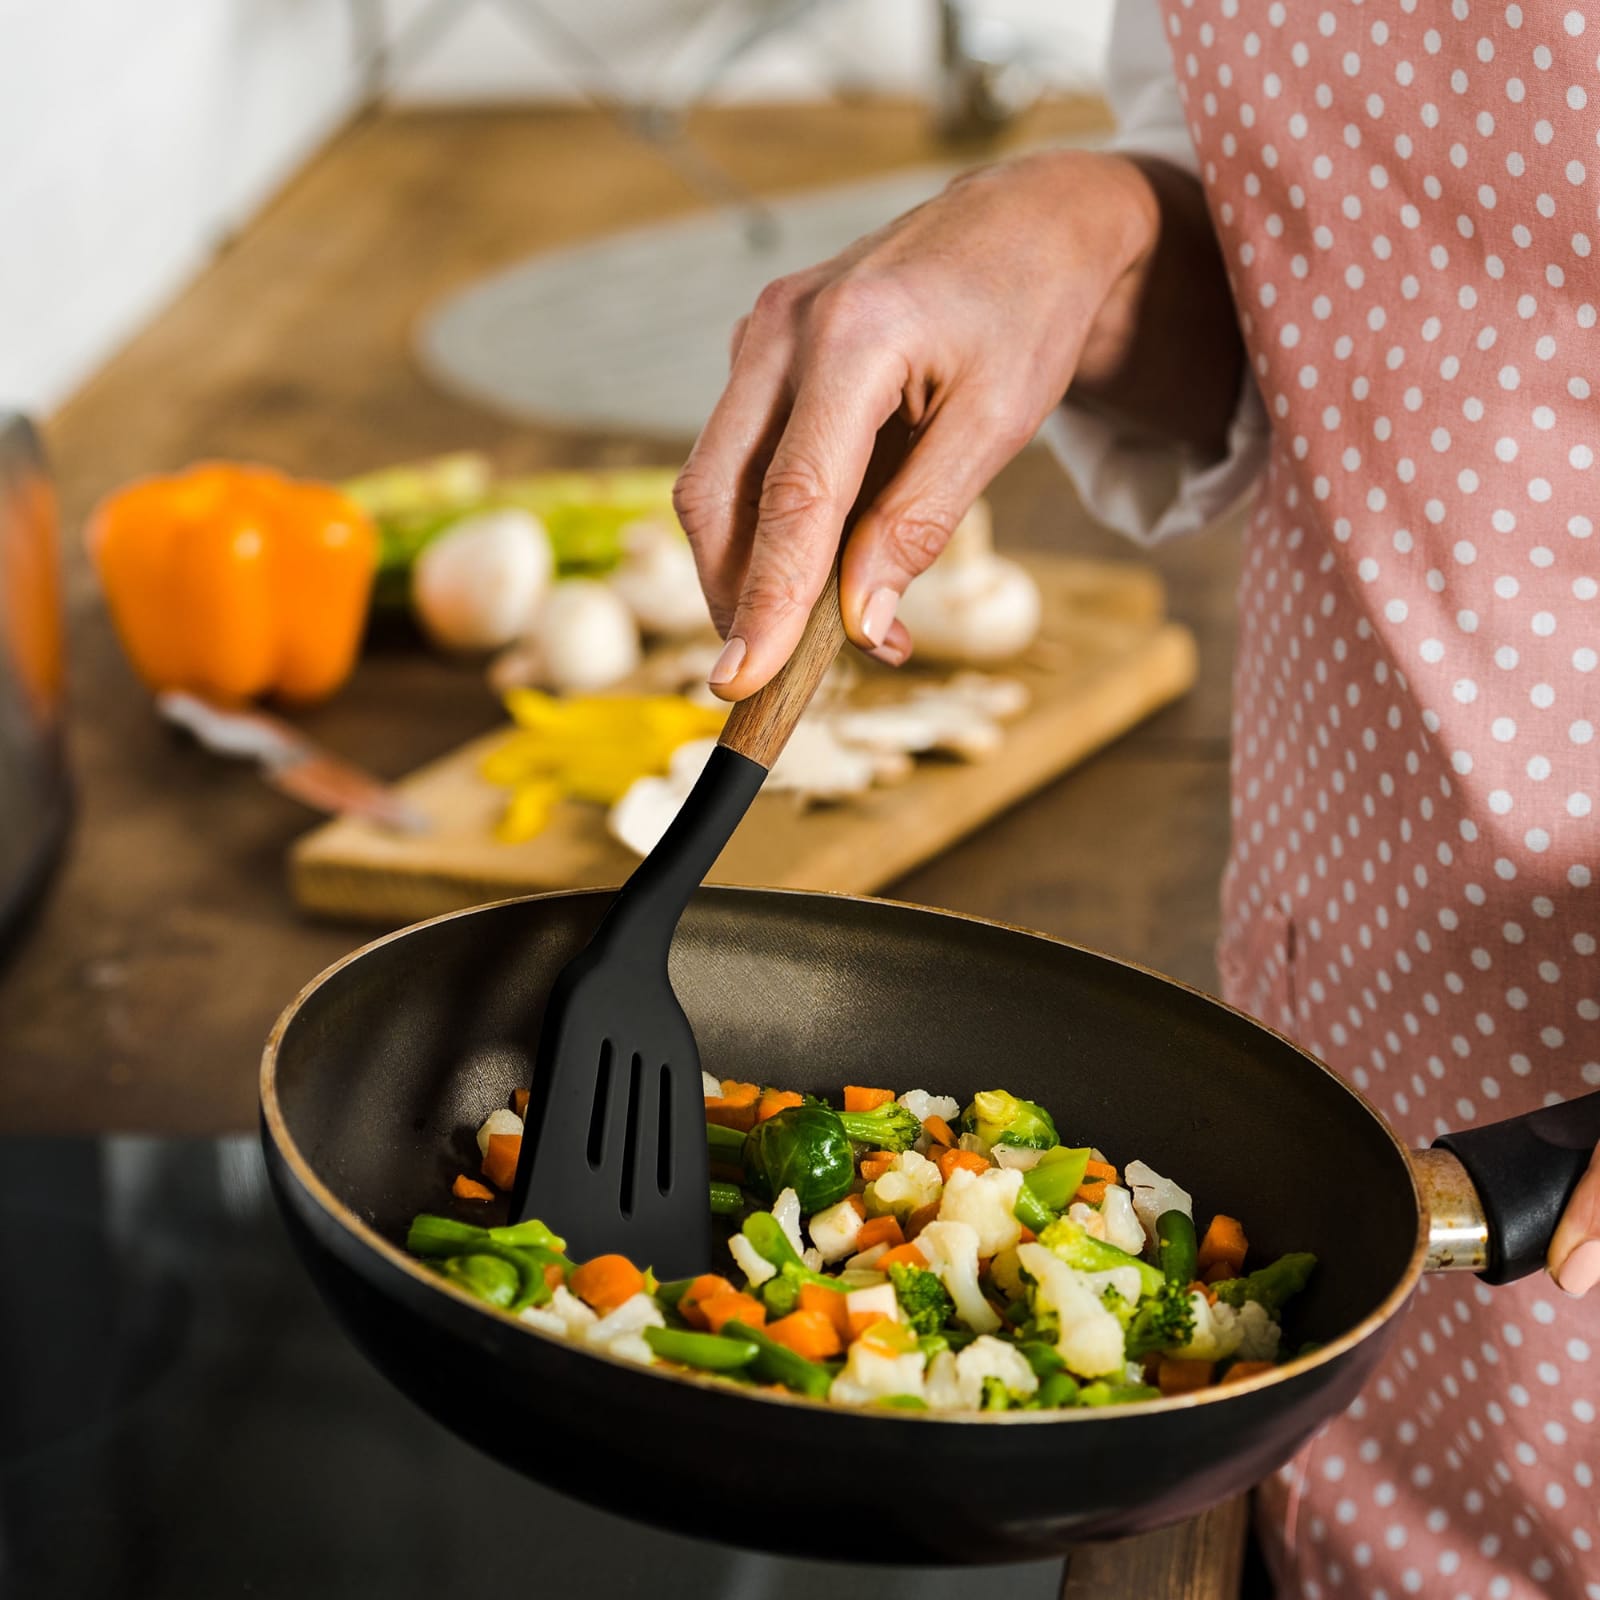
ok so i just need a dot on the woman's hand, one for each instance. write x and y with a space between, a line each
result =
1574 1257
967 319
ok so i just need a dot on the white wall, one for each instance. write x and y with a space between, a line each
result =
139 133
136 134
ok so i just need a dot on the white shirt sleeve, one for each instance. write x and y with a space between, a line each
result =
1149 489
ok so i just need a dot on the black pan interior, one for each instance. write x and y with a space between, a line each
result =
390 1064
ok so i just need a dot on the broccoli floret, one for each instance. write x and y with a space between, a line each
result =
923 1299
998 1117
1162 1321
1075 1245
887 1127
1269 1286
996 1397
1117 1306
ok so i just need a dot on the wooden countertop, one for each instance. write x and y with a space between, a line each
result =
168 943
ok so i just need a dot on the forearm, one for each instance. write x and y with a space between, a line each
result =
1165 354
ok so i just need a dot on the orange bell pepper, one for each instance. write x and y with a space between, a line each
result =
235 581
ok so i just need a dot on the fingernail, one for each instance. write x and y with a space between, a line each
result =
1580 1272
726 667
878 613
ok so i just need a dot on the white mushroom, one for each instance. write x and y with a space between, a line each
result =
658 581
480 584
587 636
971 604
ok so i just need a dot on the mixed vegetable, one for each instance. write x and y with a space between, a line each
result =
912 1254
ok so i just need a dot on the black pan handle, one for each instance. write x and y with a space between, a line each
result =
1525 1170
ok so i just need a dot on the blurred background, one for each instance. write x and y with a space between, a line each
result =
146 136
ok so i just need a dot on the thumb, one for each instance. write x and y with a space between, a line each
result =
1574 1258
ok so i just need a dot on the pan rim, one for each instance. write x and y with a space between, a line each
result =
275 1126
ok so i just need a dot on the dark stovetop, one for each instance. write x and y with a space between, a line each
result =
179 1417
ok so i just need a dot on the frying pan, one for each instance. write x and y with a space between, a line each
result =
375 1077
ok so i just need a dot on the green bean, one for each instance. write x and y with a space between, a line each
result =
725 1144
727 1199
776 1363
488 1277
710 1352
1176 1248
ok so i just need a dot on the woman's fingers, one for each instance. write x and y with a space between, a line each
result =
910 521
816 472
719 488
1574 1258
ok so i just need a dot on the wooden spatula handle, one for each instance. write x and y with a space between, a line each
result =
759 726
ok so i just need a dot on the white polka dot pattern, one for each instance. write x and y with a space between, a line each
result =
1405 191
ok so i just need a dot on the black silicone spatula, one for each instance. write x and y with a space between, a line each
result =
613 1145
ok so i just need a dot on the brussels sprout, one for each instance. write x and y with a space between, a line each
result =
804 1148
997 1117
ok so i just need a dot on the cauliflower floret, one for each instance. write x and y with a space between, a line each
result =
627 1322
876 1304
1123 1228
911 1182
574 1314
1153 1194
710 1087
992 1358
786 1208
1088 1218
868 1259
870 1374
544 1319
755 1266
984 1201
501 1121
811 1258
1217 1333
833 1231
632 1347
1125 1280
1259 1335
1016 1158
923 1105
1089 1339
1005 1273
941 1387
952 1252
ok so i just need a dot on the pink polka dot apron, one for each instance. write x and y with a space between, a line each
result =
1406 195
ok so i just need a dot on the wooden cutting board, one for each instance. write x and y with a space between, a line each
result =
1106 657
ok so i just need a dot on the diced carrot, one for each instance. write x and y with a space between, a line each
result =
832 1305
938 1130
1102 1170
953 1160
740 1118
738 1093
706 1287
858 1099
879 1230
1096 1175
1091 1194
500 1160
1219 1270
465 1188
773 1101
903 1255
874 1166
1247 1369
811 1334
733 1306
519 1102
554 1276
606 1282
1183 1377
1027 1236
920 1218
857 1205
1224 1241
